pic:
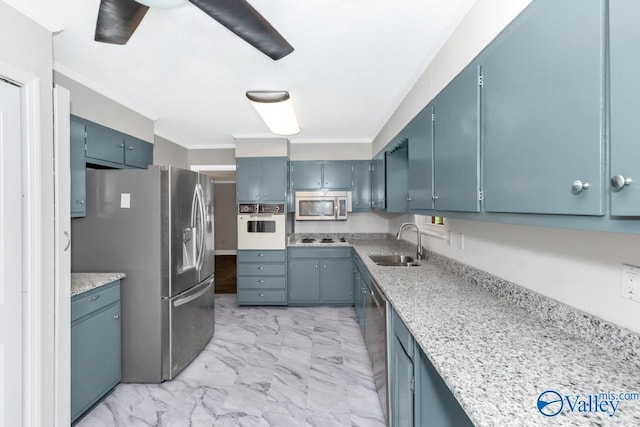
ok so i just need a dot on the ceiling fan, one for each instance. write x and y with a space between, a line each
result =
118 19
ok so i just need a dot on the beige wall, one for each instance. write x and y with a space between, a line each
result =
225 217
262 147
222 156
166 152
91 105
482 24
330 151
28 47
578 268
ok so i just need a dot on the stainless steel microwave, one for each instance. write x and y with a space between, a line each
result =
322 205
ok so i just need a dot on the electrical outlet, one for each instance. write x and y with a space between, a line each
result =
630 284
458 239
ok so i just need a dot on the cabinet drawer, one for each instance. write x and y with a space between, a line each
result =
343 252
95 299
261 256
257 282
258 269
258 297
403 334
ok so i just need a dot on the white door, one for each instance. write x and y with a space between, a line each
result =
11 258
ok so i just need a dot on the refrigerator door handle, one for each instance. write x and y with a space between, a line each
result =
201 226
187 299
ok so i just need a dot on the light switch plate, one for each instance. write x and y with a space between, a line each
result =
630 284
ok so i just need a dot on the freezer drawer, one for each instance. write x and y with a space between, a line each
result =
190 327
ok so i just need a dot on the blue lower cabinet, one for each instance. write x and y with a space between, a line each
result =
95 347
435 405
418 395
320 276
262 277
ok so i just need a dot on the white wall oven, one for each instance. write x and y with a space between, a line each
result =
322 205
261 226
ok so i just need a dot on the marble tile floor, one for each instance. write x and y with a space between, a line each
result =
265 366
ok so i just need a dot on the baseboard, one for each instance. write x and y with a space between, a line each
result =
225 252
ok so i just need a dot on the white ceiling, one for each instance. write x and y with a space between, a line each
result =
354 61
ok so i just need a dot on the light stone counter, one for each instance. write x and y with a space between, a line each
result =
83 282
499 346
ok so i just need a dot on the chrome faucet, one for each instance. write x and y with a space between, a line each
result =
419 254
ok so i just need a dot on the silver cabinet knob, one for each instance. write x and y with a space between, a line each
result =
81 201
260 281
434 197
260 294
578 186
121 145
130 148
260 268
618 182
260 254
117 316
316 265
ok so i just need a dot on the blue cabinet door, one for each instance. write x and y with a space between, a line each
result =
397 180
543 94
274 179
401 391
361 191
137 153
104 144
434 403
625 92
249 179
419 132
456 144
378 182
337 175
78 169
304 281
335 279
95 358
306 175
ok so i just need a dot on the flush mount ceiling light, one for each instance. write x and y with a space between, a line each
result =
276 110
162 4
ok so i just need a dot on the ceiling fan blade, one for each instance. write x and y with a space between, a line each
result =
242 19
117 20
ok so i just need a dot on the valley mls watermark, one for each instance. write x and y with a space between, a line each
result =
551 403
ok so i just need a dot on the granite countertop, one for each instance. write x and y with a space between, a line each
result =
293 239
83 282
497 354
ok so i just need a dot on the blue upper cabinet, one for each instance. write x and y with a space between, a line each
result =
361 191
78 169
337 174
104 144
306 175
457 145
543 95
325 175
624 35
261 179
114 149
378 181
397 179
419 133
137 153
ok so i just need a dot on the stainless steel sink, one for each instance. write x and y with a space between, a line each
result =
394 260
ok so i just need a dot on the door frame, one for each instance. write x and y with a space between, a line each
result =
33 241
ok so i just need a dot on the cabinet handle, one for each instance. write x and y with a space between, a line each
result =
260 268
578 186
409 199
93 298
130 148
316 265
434 197
618 182
260 281
117 316
260 254
81 201
324 266
260 294
121 145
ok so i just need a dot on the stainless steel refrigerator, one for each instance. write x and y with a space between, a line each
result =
155 225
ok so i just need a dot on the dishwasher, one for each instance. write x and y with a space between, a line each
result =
375 336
